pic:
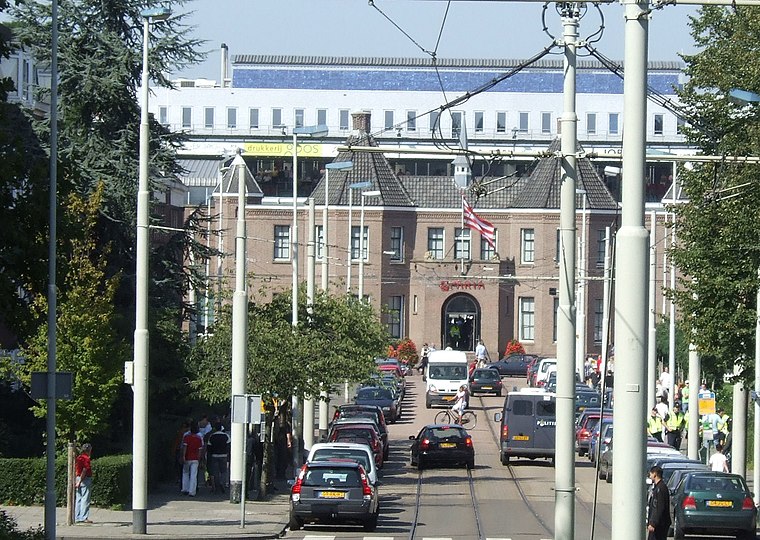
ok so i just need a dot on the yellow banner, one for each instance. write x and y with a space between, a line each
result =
283 149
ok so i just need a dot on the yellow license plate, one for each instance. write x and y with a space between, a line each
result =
332 495
521 438
488 388
448 445
720 504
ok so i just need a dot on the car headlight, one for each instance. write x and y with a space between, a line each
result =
433 389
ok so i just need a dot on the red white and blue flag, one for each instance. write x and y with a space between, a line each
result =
477 223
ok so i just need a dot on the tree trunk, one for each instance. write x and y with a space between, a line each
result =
267 472
70 457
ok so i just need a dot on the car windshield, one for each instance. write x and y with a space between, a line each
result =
487 374
335 477
330 454
368 394
446 432
447 372
587 399
358 414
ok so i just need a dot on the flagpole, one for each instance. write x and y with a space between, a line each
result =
461 259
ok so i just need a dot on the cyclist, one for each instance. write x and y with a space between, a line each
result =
460 404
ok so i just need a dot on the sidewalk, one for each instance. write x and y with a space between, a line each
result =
173 516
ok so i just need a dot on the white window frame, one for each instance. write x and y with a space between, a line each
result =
614 127
546 123
319 242
344 120
282 242
487 251
231 117
527 246
658 118
435 120
501 121
434 242
187 117
277 118
479 121
208 117
321 117
457 123
163 115
524 125
355 242
397 244
253 118
411 120
462 244
527 318
395 314
298 117
388 117
591 123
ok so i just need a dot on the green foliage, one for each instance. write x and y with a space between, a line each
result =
718 247
22 481
9 530
338 341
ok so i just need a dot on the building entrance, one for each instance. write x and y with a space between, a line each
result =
460 322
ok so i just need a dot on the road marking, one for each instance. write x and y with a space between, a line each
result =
318 537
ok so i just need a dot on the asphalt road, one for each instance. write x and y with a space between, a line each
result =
515 502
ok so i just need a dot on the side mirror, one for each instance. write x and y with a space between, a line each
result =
412 437
497 417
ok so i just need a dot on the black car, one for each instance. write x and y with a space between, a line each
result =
383 398
371 412
485 381
442 443
333 492
512 366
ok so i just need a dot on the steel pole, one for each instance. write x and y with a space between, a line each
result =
606 297
239 340
628 492
564 496
580 351
739 428
52 297
756 406
694 377
325 243
652 343
308 402
361 253
350 227
295 424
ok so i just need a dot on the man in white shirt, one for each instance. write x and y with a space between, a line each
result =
718 461
481 353
665 381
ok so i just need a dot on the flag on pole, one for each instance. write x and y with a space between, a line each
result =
477 223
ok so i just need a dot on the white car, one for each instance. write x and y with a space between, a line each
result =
360 453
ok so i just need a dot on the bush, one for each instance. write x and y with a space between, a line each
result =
405 350
514 347
22 481
9 530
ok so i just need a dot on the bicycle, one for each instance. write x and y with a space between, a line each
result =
469 418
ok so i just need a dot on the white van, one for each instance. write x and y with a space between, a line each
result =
446 371
542 374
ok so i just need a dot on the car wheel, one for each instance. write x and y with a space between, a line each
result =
678 532
371 524
746 535
295 523
420 465
471 463
608 476
427 403
504 459
600 473
499 393
581 452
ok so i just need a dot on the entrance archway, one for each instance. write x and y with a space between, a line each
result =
460 322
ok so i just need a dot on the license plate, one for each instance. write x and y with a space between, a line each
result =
332 495
448 445
521 438
720 504
488 388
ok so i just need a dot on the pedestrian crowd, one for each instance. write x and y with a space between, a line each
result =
201 451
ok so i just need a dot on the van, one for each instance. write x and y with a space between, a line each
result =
446 371
528 425
542 374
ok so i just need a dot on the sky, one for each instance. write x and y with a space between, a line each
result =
508 29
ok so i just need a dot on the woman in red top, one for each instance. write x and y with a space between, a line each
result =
83 485
192 447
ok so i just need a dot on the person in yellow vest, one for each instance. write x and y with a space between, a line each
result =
654 425
722 426
674 427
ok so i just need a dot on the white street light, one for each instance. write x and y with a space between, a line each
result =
334 166
351 188
580 321
362 246
140 386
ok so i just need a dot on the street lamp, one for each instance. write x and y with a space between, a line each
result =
351 188
365 194
334 166
140 386
580 321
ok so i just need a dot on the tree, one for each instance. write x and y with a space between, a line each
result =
87 342
718 249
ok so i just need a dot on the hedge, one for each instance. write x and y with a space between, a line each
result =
9 530
22 481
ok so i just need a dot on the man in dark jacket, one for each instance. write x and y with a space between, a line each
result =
658 517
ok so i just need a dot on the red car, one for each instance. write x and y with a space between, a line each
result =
359 433
393 368
583 432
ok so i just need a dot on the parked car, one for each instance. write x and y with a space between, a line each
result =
604 471
605 428
364 421
381 397
399 382
709 502
485 381
359 433
587 399
672 463
333 492
585 428
372 412
360 453
393 368
442 443
515 365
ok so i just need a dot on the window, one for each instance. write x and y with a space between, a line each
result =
411 120
501 122
601 237
659 120
187 117
397 244
388 117
487 251
319 234
462 243
434 120
591 123
614 120
355 242
456 124
523 122
522 407
395 315
554 324
344 119
546 123
435 242
281 242
253 118
298 118
598 319
208 117
277 118
321 117
162 115
478 121
528 246
527 320
680 124
558 247
231 118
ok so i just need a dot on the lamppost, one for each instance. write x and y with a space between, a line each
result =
351 188
362 246
296 433
580 320
334 166
140 387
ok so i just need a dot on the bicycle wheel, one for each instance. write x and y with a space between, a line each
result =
443 417
469 420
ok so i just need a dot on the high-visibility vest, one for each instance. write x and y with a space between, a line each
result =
723 424
685 394
675 421
654 425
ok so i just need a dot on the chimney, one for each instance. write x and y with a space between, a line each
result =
225 56
361 122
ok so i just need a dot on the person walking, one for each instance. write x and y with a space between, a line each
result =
718 461
192 448
83 484
217 456
658 516
674 427
654 425
481 354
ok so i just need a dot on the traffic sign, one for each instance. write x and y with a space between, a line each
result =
706 403
246 408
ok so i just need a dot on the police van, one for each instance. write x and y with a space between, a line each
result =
528 425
